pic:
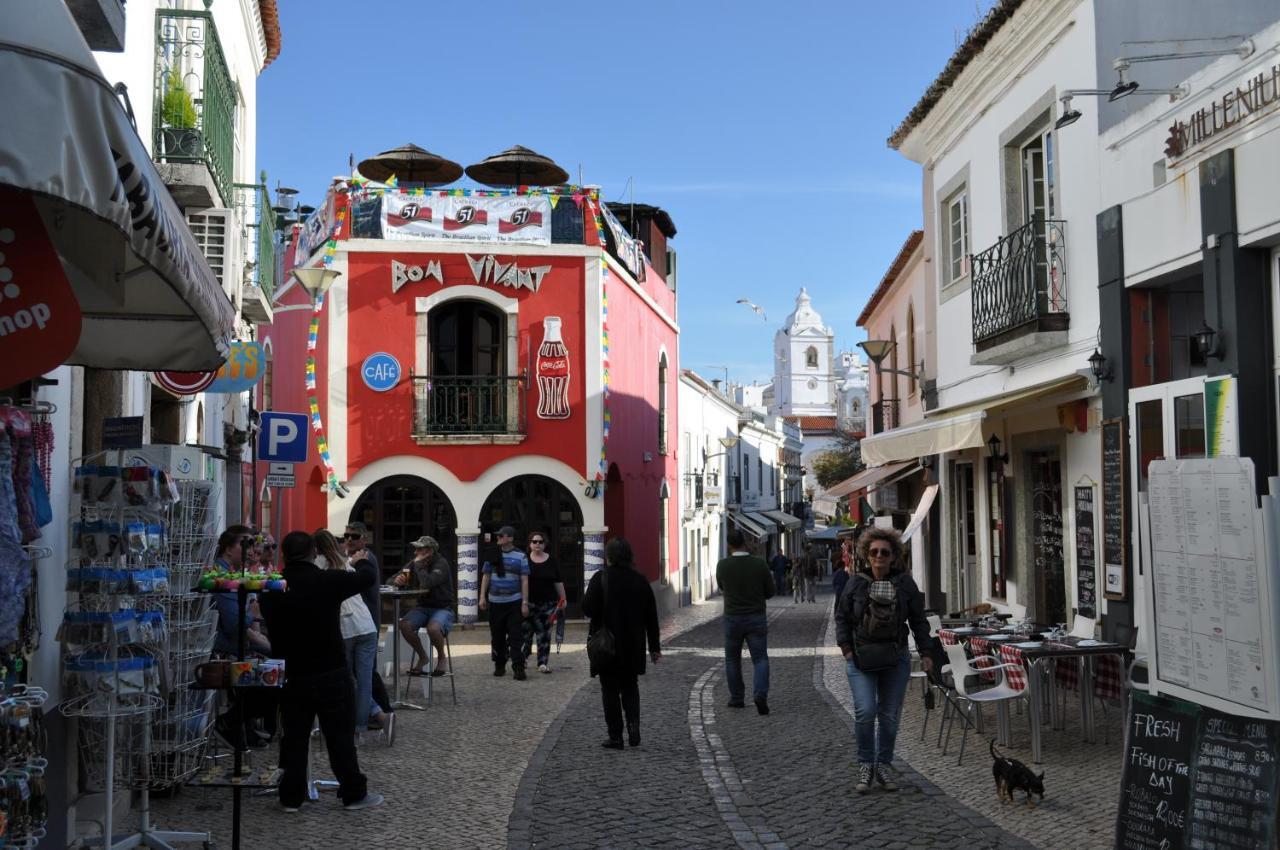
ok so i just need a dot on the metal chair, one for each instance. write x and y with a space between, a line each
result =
428 681
961 670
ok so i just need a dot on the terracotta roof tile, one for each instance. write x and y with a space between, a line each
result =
814 424
271 28
895 269
973 44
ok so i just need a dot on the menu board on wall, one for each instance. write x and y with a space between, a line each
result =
1086 554
1211 604
1115 537
1194 777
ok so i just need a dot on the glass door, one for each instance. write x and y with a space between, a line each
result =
964 574
1039 204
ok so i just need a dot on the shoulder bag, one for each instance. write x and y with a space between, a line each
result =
601 646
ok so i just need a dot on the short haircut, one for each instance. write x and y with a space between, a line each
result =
618 553
359 528
233 535
298 546
507 531
736 538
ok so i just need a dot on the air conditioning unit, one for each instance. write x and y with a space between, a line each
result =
185 463
212 229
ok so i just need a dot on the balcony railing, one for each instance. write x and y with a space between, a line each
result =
884 415
467 404
195 99
258 215
1020 284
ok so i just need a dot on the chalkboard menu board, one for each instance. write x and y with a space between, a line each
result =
1086 554
1196 778
1115 537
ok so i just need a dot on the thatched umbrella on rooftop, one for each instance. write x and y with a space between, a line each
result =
411 164
518 166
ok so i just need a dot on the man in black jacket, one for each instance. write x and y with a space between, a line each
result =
305 631
429 571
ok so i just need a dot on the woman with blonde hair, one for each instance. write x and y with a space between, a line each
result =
359 634
879 606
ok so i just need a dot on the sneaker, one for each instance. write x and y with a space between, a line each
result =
500 669
762 705
289 809
865 774
887 777
542 668
736 703
518 674
368 802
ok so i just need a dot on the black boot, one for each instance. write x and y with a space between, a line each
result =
633 734
499 668
612 743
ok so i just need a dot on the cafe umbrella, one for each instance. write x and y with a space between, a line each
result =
518 166
102 269
410 164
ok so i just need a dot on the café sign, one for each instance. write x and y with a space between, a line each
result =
1257 94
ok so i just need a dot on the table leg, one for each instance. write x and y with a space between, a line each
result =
1034 697
1086 697
396 701
1055 698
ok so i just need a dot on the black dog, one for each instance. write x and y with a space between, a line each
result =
1012 775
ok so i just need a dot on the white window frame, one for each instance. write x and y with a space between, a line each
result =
957 200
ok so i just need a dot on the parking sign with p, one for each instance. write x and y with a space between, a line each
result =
284 437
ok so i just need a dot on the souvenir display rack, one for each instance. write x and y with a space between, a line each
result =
128 636
24 800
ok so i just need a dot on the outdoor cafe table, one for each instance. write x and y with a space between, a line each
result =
396 595
1032 661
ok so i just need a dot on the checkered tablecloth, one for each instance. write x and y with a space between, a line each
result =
948 637
1108 676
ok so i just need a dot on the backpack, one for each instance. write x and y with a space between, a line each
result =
880 620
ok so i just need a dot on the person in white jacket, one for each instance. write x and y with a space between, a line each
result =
360 635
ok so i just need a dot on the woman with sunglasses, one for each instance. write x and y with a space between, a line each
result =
878 607
546 597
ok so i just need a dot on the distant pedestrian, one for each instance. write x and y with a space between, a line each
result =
620 598
746 583
796 579
546 598
504 591
872 620
812 570
779 564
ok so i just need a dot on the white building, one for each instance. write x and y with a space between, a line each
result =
706 419
804 378
851 393
752 395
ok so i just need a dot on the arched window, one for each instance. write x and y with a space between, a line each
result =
466 339
911 347
662 404
811 357
893 363
466 389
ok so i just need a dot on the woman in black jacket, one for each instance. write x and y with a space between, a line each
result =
878 665
628 608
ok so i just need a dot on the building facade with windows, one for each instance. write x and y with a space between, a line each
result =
534 384
708 419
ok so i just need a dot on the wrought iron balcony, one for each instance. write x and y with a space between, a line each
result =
467 405
884 415
1020 285
254 209
195 98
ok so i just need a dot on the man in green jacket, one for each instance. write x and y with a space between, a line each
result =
746 583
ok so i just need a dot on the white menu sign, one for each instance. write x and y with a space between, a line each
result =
1211 587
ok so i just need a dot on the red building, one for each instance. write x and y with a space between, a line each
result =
484 359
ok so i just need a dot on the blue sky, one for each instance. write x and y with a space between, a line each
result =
759 126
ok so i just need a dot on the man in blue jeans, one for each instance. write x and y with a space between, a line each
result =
746 583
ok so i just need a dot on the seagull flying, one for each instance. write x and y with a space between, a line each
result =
755 307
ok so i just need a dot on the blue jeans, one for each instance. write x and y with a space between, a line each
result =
362 656
754 629
877 696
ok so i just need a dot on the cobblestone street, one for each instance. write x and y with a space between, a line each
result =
519 764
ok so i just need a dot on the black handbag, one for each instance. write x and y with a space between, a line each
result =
871 656
602 648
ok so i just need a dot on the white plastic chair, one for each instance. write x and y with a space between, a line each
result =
1083 627
961 670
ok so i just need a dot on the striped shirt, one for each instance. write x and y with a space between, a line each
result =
507 588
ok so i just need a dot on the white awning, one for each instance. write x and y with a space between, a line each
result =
866 478
750 526
926 438
787 521
148 298
922 510
825 506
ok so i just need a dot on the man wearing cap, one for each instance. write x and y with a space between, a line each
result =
504 592
429 571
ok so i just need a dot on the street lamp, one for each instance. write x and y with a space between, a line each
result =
316 280
878 349
1206 340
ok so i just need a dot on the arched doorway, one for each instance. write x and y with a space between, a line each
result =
538 503
400 509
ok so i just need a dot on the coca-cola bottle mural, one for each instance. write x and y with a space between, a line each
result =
552 372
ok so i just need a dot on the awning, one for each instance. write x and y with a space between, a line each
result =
824 506
866 478
147 296
922 510
926 438
750 526
787 521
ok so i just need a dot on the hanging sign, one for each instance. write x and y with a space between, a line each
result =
380 372
39 312
1086 554
507 218
1115 538
242 370
183 383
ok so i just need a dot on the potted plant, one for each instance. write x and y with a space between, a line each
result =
178 119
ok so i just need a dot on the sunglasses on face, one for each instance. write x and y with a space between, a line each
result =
536 542
878 553
351 536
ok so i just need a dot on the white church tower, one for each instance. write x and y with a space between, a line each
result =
804 380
